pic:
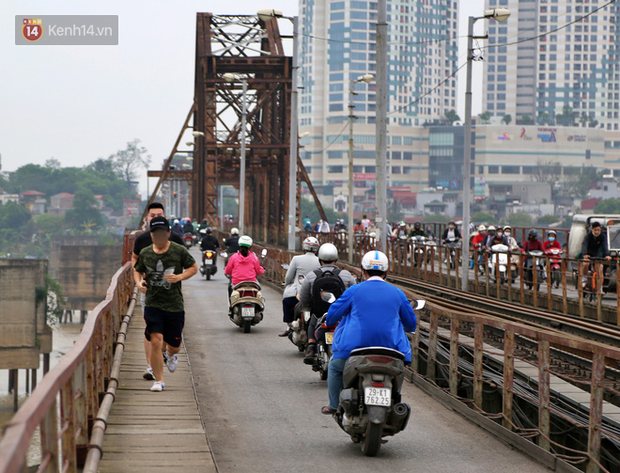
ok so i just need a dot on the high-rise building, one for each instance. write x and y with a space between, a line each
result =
568 75
337 45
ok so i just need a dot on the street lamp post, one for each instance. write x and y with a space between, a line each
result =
500 15
366 78
229 77
381 130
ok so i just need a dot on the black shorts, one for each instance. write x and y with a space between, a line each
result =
288 308
169 324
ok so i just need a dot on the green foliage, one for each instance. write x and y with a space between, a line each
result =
525 120
436 218
482 217
49 224
485 117
452 116
507 119
520 219
55 300
84 214
13 215
608 206
309 208
547 220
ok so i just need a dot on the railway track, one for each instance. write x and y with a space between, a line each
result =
451 298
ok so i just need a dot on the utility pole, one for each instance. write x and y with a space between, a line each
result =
292 175
381 130
242 160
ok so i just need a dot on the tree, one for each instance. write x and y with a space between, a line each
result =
49 224
127 161
579 184
567 117
452 116
507 119
52 163
308 208
85 212
547 220
520 219
550 172
544 118
482 217
13 216
584 119
608 206
485 117
525 120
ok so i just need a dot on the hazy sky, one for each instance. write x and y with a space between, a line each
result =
78 103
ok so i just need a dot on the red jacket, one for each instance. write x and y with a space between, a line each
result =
533 245
480 238
549 245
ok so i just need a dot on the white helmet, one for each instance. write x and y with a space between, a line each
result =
245 241
234 231
375 260
491 228
310 244
482 228
328 252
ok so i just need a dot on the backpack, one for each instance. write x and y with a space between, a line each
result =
326 281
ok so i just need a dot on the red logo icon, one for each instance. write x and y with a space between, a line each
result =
32 29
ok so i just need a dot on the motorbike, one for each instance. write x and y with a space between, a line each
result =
370 406
324 341
536 261
246 304
555 265
453 245
209 266
299 326
499 261
418 249
188 240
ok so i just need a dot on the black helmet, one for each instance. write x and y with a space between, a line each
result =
532 233
417 225
204 220
208 229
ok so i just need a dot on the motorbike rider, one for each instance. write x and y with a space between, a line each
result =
307 224
478 242
328 256
176 227
359 227
370 314
188 227
203 225
300 265
232 242
512 241
497 238
400 232
594 245
243 265
417 230
451 234
209 242
551 242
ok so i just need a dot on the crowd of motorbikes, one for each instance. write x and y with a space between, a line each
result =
501 262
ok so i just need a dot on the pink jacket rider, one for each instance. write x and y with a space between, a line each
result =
243 268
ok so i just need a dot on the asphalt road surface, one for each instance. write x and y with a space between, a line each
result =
261 404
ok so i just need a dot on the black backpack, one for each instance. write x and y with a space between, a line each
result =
326 281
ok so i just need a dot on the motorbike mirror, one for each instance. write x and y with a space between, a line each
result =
418 304
263 253
328 297
285 266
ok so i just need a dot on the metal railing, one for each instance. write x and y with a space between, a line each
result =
65 406
445 353
448 372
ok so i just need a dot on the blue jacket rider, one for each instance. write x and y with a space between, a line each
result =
371 314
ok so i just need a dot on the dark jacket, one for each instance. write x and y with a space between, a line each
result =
209 242
596 247
457 234
232 243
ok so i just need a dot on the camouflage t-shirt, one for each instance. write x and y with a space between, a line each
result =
160 293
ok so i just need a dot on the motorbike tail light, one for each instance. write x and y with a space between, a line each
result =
246 293
377 385
380 359
209 254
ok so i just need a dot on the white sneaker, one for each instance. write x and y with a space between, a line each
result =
148 374
171 362
158 386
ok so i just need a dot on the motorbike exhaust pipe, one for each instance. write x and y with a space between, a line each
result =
400 416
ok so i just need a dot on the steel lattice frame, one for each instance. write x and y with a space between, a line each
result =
252 49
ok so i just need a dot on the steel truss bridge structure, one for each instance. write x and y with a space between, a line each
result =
251 50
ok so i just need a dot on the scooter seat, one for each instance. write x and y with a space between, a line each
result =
379 351
252 284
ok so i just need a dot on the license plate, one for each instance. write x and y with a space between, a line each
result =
377 397
209 262
329 337
247 312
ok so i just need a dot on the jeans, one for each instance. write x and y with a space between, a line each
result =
334 380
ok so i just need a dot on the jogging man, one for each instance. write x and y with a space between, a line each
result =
158 273
155 209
